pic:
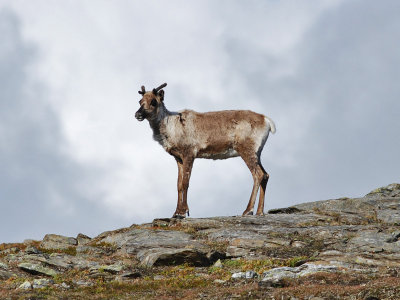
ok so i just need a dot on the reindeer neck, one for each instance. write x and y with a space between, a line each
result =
157 122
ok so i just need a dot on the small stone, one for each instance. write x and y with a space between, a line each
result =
3 266
83 283
65 286
32 250
158 277
41 283
218 264
298 244
239 275
250 275
25 286
219 281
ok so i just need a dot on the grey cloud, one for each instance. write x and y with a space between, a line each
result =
348 72
39 185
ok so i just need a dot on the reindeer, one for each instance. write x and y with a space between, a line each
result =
187 135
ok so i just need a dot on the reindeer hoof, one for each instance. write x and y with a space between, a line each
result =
261 214
247 213
178 216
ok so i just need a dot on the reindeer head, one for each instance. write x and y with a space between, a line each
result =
150 103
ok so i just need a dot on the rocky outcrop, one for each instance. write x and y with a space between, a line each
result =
339 236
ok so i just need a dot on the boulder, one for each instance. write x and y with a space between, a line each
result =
134 240
167 257
54 241
275 276
37 269
82 239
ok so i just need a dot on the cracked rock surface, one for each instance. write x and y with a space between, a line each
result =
354 237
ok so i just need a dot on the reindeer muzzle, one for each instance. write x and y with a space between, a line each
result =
140 115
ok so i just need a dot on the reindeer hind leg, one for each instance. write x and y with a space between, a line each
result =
263 185
251 161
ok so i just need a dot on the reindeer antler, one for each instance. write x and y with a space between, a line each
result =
143 91
155 91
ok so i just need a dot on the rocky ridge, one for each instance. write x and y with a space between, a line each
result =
352 243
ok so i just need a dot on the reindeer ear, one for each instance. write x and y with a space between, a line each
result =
161 94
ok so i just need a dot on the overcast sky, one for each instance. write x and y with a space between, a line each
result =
74 159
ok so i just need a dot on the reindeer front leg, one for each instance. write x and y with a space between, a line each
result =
178 212
184 172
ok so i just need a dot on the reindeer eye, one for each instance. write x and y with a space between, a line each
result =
153 102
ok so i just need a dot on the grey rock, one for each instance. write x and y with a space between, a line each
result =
331 253
298 244
394 238
65 286
134 240
83 283
83 239
84 264
113 269
37 269
164 256
12 250
233 251
239 275
250 275
3 266
60 261
245 275
41 283
93 251
32 250
373 241
54 241
218 264
4 275
277 274
25 286
219 281
391 190
99 274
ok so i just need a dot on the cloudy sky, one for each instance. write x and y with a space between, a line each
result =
73 158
